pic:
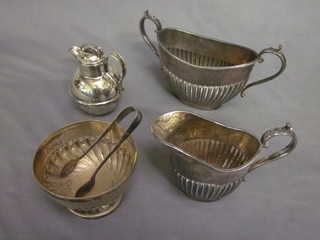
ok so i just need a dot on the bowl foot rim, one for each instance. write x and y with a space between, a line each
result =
100 212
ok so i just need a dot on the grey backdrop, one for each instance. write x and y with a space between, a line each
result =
278 201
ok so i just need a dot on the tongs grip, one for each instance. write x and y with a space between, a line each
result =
123 114
85 188
69 167
135 123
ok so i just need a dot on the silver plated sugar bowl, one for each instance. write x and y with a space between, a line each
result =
97 83
205 72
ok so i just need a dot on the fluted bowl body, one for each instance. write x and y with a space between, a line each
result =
111 181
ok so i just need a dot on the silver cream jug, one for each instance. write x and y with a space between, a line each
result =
210 160
96 85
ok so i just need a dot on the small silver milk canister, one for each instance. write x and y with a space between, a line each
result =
96 85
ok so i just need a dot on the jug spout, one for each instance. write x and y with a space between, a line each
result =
91 59
75 50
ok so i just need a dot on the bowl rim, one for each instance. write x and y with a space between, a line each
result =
174 148
172 29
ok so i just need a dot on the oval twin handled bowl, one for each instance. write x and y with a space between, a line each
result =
205 72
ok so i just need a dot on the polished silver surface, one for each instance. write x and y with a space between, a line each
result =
205 72
97 85
111 181
209 159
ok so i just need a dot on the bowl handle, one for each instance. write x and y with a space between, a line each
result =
278 52
143 31
284 131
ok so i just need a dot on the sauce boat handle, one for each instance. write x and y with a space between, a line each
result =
119 76
143 31
284 131
278 52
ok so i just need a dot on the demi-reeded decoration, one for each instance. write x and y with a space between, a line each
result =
206 192
209 160
215 153
209 97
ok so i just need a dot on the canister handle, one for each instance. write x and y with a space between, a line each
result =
278 52
143 31
284 131
119 75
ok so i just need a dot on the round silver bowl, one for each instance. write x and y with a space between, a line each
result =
111 182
